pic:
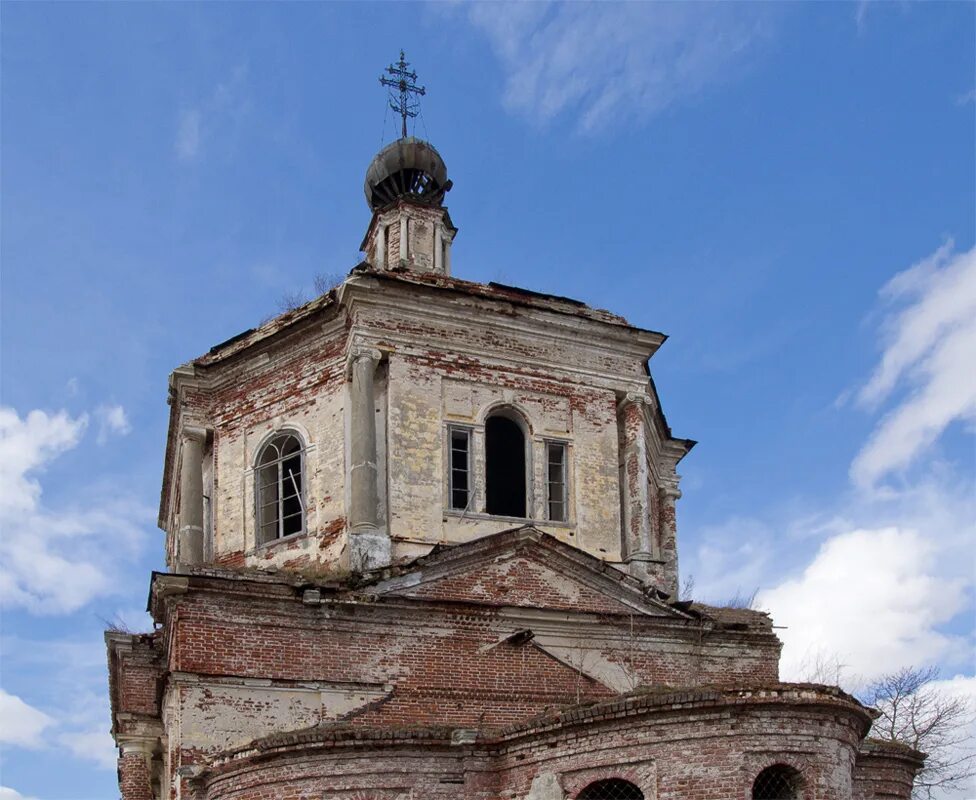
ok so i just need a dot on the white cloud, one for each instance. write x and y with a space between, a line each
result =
876 581
57 560
961 686
21 725
112 420
6 793
874 598
929 335
92 745
26 445
188 135
71 673
607 62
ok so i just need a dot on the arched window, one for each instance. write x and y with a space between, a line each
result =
280 486
778 782
504 466
612 789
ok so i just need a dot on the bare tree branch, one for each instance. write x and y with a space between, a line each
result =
291 300
326 281
915 711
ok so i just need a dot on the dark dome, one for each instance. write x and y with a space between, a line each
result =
409 168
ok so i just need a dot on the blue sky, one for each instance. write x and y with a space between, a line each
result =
787 190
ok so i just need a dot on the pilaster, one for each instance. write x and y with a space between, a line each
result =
638 540
369 542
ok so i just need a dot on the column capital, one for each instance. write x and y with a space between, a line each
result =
194 433
672 492
639 399
137 744
358 352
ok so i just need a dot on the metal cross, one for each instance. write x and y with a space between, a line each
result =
401 87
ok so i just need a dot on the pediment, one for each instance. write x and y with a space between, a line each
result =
525 568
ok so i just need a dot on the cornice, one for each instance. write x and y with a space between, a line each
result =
630 340
488 744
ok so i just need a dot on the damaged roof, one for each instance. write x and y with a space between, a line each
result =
487 291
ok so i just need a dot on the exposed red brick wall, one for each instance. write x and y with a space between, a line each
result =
519 582
134 778
885 770
693 750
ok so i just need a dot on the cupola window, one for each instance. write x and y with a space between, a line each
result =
505 471
280 487
778 782
613 789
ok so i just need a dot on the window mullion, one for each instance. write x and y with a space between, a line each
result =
281 500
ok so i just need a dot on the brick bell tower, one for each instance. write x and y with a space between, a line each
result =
421 543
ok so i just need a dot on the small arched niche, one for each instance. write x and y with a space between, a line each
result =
778 782
506 463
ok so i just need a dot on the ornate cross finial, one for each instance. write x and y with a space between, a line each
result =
401 87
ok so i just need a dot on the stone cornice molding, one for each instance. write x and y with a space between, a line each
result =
555 372
557 324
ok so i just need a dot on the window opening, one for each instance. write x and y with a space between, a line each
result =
556 481
613 789
504 467
281 507
778 782
460 475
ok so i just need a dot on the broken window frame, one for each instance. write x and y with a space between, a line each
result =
282 482
467 433
562 480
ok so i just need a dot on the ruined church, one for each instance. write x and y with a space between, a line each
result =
421 545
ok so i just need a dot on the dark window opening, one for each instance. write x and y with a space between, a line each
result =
556 481
613 789
460 485
281 506
778 782
504 468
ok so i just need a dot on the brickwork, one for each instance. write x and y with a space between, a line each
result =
885 770
451 353
690 746
134 777
399 647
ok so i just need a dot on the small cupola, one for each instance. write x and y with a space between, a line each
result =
405 187
408 169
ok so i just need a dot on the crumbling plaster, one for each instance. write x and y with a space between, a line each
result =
444 358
